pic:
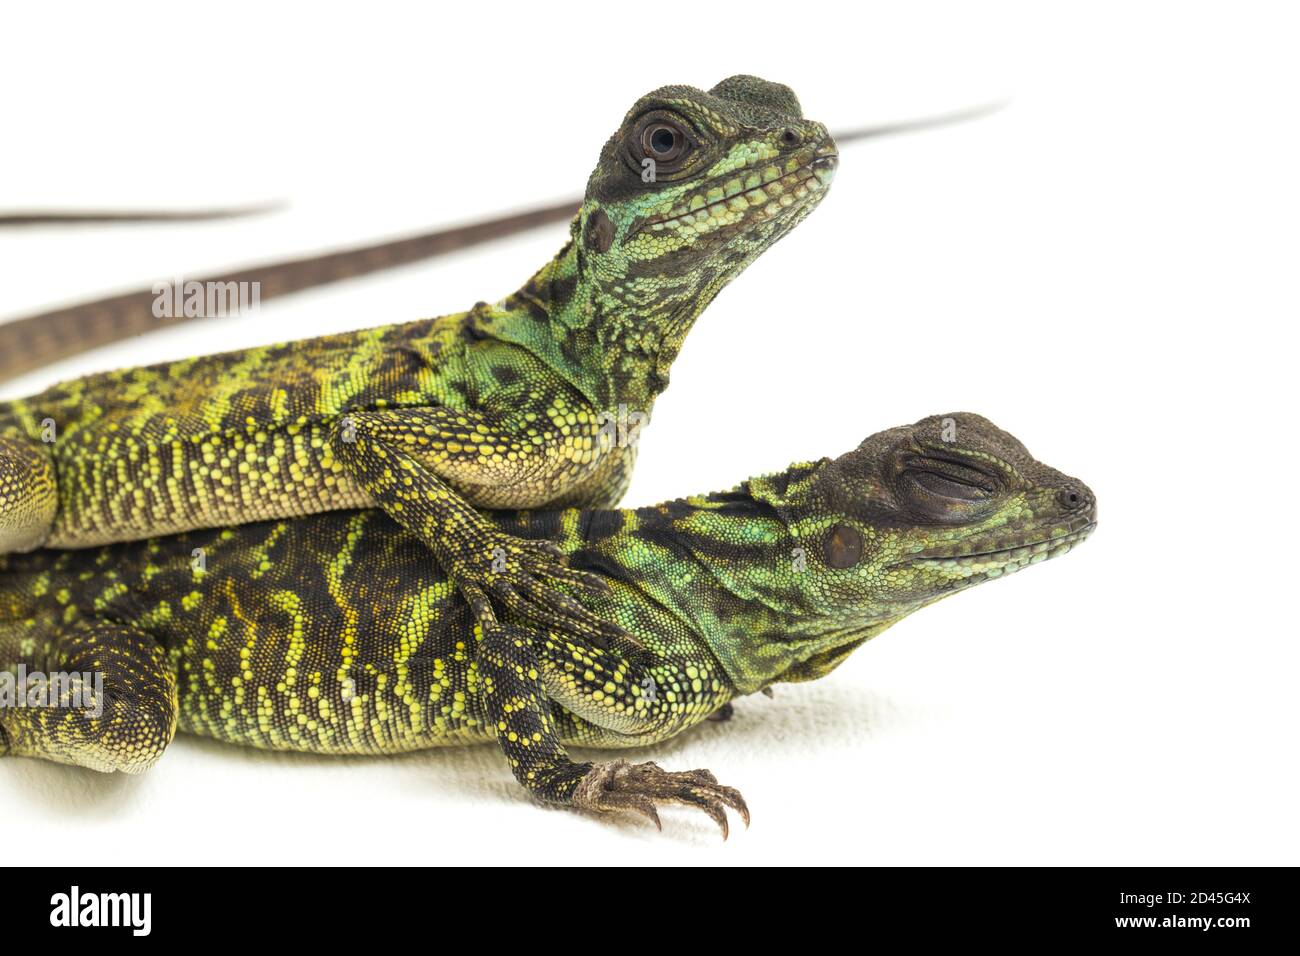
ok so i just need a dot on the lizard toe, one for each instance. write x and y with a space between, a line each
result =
620 786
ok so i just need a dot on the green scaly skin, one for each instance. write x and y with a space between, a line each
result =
334 633
499 407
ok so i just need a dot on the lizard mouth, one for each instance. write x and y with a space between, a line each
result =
1011 557
747 198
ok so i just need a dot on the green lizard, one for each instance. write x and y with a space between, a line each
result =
31 342
503 406
334 633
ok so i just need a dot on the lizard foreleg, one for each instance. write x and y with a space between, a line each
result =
405 459
518 682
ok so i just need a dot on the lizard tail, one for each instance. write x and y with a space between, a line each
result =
882 130
85 217
35 341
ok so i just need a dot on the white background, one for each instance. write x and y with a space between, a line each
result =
1106 269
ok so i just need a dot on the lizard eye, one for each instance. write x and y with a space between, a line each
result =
946 490
663 141
945 486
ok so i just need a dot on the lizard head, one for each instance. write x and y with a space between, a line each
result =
693 187
912 515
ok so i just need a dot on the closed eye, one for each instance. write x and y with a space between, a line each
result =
950 487
947 491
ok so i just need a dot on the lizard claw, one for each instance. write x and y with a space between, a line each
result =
619 786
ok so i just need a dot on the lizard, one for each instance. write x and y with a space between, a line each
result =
502 406
30 342
333 634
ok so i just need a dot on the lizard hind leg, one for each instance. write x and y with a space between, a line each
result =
29 497
95 695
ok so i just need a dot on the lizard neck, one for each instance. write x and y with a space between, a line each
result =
730 567
612 335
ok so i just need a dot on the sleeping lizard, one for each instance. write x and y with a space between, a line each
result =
504 406
334 634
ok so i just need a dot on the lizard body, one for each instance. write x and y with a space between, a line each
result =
334 634
500 406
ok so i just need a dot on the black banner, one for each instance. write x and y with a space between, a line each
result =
1174 906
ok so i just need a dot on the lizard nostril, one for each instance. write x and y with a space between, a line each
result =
1070 498
791 137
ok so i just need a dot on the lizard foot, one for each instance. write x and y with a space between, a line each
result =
619 786
523 575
